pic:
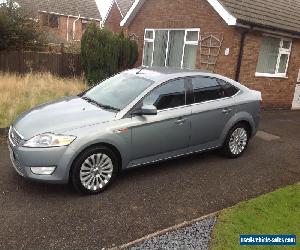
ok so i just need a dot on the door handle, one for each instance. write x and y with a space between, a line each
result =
181 121
226 111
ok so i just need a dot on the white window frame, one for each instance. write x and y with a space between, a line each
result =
186 42
282 51
148 40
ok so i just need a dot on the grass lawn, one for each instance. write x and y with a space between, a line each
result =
274 213
19 93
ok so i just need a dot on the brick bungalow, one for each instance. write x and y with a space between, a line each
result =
63 20
256 42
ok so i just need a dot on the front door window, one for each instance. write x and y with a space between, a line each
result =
170 95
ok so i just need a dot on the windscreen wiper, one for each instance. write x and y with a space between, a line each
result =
99 104
108 107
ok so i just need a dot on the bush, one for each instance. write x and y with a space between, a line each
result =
104 53
17 30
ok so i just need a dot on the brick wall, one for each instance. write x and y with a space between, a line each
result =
60 33
178 14
114 18
277 92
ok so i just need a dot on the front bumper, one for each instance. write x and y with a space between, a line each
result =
23 158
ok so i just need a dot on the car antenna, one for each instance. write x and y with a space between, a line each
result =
140 70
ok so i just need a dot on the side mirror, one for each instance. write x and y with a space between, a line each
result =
147 110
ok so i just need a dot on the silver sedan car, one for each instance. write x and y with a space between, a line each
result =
137 117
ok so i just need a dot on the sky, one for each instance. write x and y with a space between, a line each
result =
103 6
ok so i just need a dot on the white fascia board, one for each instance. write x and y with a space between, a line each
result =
227 17
132 12
108 12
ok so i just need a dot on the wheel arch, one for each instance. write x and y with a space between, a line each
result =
241 117
113 148
247 124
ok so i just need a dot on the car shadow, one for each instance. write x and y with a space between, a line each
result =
38 188
170 164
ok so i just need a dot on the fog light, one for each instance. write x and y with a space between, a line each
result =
42 170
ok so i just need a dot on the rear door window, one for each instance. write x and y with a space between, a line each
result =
206 89
229 89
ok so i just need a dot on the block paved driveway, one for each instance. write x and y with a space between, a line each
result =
147 199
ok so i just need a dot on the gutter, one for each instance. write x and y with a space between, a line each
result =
268 29
74 26
278 32
59 14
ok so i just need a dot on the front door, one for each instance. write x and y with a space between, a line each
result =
167 132
296 101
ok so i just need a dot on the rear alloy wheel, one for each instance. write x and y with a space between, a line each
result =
94 170
236 141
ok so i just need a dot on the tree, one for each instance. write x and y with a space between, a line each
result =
104 53
17 31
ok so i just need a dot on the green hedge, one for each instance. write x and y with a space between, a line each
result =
104 53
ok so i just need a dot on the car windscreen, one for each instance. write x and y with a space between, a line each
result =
118 91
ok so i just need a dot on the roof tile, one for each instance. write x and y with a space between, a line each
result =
280 14
124 6
86 8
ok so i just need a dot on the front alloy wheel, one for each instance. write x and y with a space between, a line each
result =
94 170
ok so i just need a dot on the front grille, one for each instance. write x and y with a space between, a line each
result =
14 137
16 164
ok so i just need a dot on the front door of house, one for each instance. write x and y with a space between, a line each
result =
296 101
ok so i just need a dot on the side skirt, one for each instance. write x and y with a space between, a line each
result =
172 155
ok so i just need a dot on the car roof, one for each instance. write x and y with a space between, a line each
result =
162 74
156 73
170 70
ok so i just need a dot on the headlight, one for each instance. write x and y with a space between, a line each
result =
49 140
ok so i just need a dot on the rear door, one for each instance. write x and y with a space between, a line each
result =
213 107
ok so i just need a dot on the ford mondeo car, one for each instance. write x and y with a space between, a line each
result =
137 117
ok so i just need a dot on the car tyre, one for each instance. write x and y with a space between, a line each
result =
94 170
236 141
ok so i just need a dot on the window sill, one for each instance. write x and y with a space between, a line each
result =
270 75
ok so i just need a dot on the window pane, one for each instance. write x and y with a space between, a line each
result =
160 46
286 45
192 36
53 21
119 90
175 48
149 34
148 54
206 89
84 26
190 53
229 90
45 19
170 95
268 55
283 63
